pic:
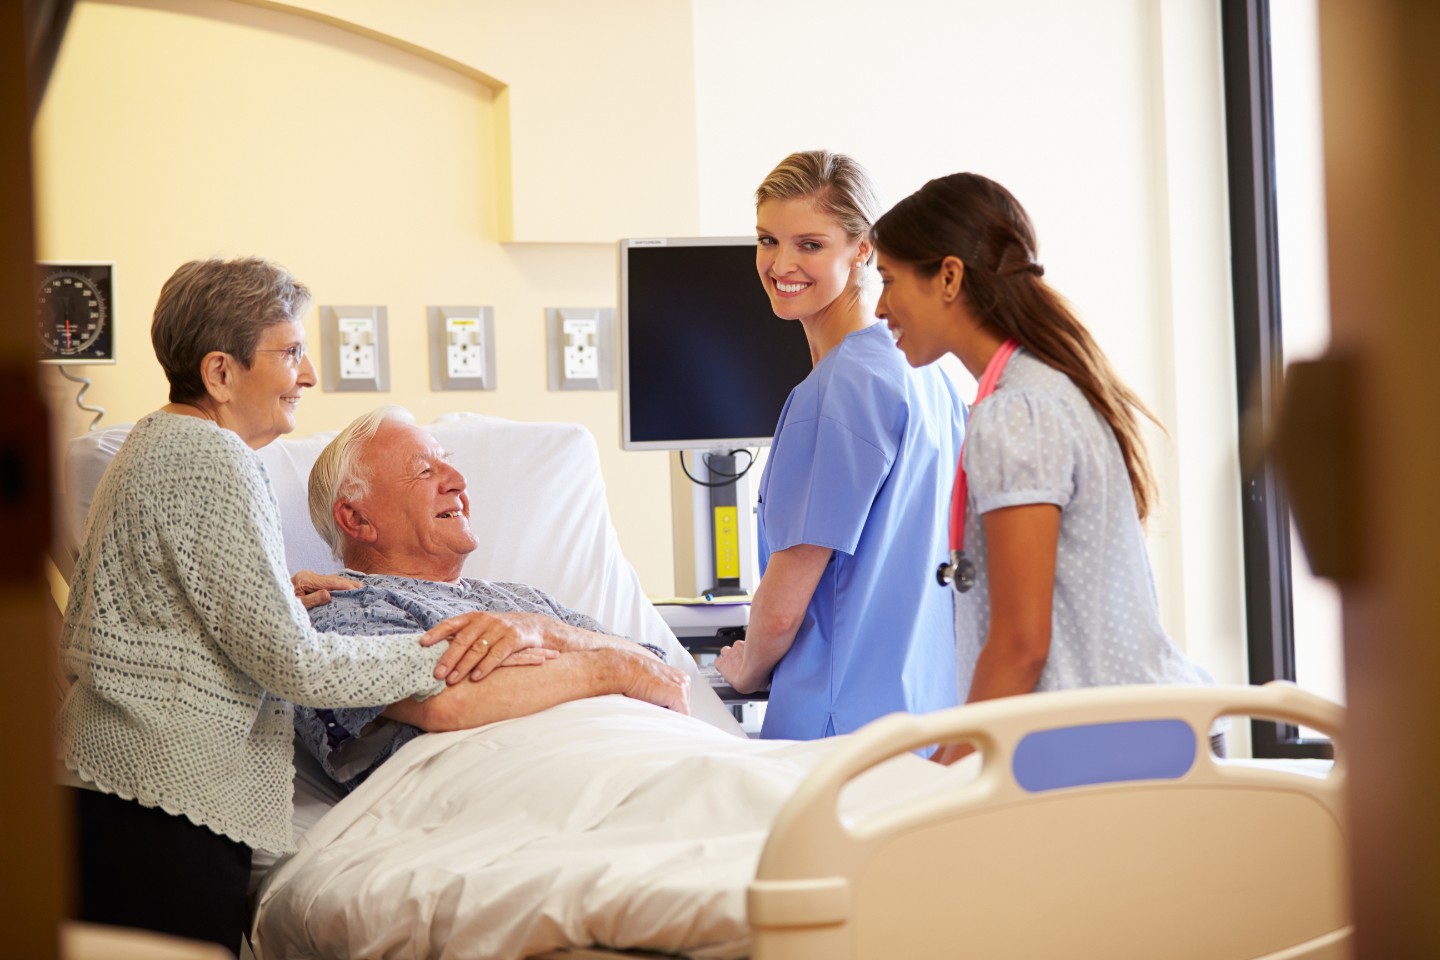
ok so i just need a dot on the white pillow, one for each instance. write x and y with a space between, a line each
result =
537 504
86 458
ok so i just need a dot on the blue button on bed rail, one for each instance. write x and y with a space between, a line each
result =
1104 753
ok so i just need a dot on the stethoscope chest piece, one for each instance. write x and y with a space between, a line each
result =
958 573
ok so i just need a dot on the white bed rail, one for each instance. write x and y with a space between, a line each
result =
1100 825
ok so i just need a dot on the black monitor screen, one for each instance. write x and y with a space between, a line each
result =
705 361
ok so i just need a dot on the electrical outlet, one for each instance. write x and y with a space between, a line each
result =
582 347
462 348
352 345
357 348
582 361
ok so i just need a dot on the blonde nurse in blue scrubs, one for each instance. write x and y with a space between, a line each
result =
1052 580
846 624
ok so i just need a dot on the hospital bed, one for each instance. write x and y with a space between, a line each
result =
1090 824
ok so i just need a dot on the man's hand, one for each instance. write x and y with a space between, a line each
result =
313 588
565 637
480 642
732 666
506 694
642 677
530 657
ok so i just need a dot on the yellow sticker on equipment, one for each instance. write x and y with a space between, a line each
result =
727 542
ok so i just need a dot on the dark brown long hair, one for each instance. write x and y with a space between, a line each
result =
971 217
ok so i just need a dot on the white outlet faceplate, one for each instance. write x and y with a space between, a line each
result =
462 348
352 341
357 348
582 360
581 347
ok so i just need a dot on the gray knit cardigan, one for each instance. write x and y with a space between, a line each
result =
184 641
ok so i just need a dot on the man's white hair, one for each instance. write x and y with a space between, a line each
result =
337 474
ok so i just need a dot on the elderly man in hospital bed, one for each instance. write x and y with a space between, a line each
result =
391 507
555 806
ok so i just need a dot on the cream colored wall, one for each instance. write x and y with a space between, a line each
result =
385 151
1105 119
174 130
593 93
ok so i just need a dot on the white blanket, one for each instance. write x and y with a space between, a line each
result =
603 821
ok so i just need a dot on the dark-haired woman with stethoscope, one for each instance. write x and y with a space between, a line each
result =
1054 586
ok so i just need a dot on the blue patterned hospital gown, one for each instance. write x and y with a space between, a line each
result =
351 743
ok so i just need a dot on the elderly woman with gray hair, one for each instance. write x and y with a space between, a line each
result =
183 638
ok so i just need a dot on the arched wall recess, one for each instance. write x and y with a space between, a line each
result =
594 121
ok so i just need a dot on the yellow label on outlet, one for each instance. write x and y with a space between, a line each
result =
727 542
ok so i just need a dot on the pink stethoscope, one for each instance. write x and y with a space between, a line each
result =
959 572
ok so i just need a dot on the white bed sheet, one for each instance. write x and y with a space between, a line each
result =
603 821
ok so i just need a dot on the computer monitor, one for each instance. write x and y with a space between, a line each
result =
704 362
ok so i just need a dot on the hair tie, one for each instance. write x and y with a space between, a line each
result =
1024 266
1007 266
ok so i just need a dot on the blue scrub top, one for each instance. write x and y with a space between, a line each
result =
862 463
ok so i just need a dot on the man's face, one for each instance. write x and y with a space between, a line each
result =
415 504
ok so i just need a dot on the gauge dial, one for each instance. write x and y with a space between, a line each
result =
72 312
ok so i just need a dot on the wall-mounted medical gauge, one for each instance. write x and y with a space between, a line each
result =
73 312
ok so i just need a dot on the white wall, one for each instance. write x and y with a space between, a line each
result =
1104 118
387 152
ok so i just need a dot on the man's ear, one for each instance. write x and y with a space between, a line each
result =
217 373
353 522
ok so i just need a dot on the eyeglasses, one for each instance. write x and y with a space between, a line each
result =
293 354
